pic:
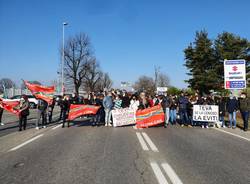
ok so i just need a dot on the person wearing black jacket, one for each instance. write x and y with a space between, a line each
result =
100 113
1 113
125 100
65 109
222 110
166 103
50 110
232 108
23 108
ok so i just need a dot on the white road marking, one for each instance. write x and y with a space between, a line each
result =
26 142
241 137
56 127
158 173
171 173
150 142
142 142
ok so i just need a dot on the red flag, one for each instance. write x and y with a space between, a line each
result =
9 106
80 110
43 92
149 117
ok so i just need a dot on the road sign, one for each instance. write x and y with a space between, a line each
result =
235 74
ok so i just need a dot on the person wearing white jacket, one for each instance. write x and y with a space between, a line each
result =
134 103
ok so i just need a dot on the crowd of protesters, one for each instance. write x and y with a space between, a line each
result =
177 109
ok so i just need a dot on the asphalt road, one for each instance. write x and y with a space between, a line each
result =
105 155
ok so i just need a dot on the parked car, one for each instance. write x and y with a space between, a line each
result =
32 100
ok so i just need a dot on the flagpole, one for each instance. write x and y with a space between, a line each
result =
62 84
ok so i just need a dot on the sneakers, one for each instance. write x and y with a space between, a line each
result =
44 127
182 125
109 125
37 128
223 126
207 126
2 124
202 126
106 124
189 126
234 127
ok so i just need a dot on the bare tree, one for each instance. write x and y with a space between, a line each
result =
6 83
77 54
104 83
93 75
163 80
145 83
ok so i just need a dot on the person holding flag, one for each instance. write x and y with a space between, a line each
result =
65 109
23 109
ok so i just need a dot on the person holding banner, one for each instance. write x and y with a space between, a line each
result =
23 108
1 112
134 103
222 110
65 110
244 104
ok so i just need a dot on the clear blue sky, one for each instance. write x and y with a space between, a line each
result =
129 36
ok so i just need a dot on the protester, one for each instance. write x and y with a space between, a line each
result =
232 107
41 113
190 107
23 108
50 110
222 111
173 110
1 112
100 113
65 109
108 105
125 100
74 99
60 103
244 105
118 102
166 103
183 102
143 102
150 101
134 103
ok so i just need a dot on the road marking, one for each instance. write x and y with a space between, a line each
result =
56 127
171 173
232 134
150 142
142 142
158 173
26 142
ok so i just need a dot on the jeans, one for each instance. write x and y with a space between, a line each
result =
184 117
245 116
173 115
41 114
22 122
166 116
222 120
107 116
232 118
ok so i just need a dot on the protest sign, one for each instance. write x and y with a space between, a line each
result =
81 110
206 113
123 117
150 117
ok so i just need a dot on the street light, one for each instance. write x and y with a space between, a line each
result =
64 24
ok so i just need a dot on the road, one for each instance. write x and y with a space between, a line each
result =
125 155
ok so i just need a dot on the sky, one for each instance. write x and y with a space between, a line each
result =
129 37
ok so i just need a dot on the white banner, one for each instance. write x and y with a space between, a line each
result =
235 74
207 113
123 117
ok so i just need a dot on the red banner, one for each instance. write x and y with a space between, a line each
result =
43 92
9 106
81 110
150 117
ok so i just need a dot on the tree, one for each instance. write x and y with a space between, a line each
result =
145 83
93 75
201 63
6 83
104 83
174 91
77 54
230 46
163 80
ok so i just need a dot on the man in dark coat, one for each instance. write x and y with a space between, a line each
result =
232 107
244 104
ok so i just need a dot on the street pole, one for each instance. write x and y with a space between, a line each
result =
62 82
